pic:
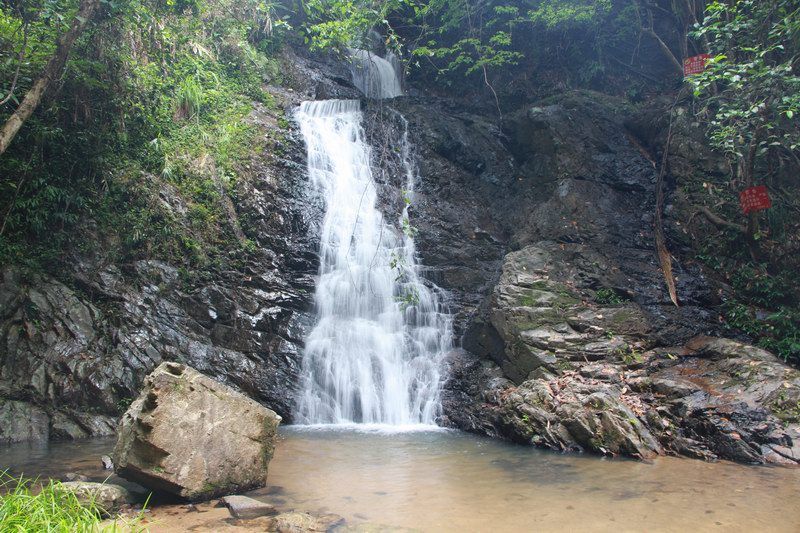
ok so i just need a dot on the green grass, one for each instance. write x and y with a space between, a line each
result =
26 506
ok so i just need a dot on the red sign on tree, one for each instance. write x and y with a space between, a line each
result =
696 64
755 199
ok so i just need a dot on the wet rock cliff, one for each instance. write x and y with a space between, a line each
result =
538 225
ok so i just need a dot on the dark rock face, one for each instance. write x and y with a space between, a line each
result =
463 168
589 376
556 351
75 350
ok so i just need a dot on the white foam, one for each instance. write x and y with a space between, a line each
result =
384 429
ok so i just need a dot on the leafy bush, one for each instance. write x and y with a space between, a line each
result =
778 332
152 90
606 296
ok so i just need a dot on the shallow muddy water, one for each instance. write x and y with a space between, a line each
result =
450 481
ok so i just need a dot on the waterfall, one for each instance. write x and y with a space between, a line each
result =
375 76
374 353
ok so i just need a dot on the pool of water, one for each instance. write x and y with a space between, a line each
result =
450 481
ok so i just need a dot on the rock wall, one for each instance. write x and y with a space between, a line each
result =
75 349
577 345
538 224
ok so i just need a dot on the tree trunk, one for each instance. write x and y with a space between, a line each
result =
747 171
676 65
51 72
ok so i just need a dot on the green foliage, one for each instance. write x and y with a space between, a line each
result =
778 332
750 96
488 39
408 230
153 100
766 309
751 88
764 303
629 355
560 14
339 24
188 98
757 286
606 296
473 36
24 507
408 298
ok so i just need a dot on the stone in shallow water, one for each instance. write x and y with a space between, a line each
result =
304 522
108 498
245 508
193 437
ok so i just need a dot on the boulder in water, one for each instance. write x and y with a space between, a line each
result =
193 437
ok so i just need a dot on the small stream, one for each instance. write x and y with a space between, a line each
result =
444 480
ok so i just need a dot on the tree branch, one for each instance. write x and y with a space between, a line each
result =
51 72
20 58
719 221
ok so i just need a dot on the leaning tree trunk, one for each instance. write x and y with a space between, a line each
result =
51 72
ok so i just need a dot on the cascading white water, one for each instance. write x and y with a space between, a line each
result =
374 354
375 76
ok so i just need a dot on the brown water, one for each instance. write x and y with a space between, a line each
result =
450 481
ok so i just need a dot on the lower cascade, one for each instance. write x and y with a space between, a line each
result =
374 353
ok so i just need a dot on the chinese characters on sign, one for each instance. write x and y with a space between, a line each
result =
754 199
695 65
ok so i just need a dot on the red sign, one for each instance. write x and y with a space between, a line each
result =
755 199
696 64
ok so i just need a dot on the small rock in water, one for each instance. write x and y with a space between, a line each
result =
108 464
245 508
303 522
72 476
108 498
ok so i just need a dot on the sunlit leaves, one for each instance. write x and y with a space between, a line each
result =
751 88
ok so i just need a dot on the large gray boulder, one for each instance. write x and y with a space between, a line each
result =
196 438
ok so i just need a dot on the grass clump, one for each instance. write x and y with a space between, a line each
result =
606 296
26 506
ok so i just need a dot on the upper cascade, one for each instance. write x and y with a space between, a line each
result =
375 76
